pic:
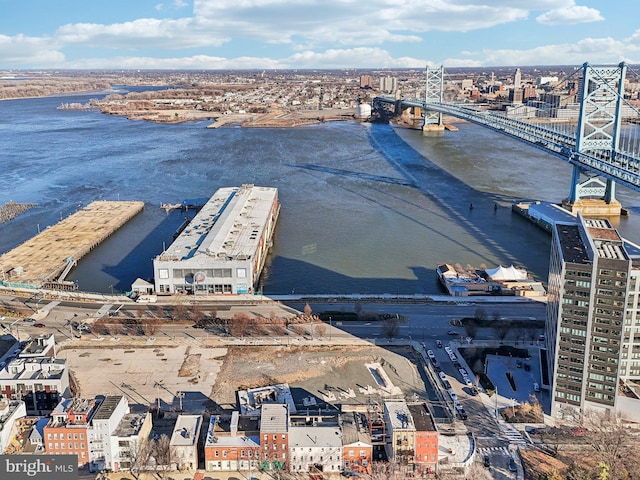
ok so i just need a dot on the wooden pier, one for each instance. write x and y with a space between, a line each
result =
41 260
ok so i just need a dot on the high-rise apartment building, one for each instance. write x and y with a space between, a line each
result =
593 321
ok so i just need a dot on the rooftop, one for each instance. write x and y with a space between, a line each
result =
130 424
108 406
315 436
399 415
274 418
422 418
186 431
573 248
228 226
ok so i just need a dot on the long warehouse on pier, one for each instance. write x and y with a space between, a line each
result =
224 247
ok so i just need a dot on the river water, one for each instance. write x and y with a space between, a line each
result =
365 208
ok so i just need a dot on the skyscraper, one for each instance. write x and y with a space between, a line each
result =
593 337
517 78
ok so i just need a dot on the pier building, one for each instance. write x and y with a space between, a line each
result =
224 247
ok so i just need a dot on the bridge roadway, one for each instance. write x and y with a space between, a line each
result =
619 166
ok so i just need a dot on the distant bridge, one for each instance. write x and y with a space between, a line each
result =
590 135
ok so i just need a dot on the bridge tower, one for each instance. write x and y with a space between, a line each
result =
601 100
434 93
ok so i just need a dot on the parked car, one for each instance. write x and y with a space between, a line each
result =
527 367
39 325
29 320
486 461
439 343
536 387
519 363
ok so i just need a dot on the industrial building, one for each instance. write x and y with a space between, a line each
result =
593 320
224 247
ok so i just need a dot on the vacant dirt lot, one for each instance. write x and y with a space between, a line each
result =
208 377
334 375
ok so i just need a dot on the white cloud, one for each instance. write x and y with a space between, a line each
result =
333 58
142 33
570 16
23 50
592 50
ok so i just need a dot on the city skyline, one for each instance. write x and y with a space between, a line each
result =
295 34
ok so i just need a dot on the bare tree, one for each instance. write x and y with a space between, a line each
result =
616 449
480 314
163 453
180 312
321 329
390 328
137 455
239 324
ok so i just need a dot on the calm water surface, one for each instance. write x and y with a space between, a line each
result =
365 208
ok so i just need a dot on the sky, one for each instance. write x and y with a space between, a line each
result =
315 34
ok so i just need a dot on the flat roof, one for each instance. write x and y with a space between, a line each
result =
399 415
186 431
274 418
573 248
422 418
107 407
228 226
315 436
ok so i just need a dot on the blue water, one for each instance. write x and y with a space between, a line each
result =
365 208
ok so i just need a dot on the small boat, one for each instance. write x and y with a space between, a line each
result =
170 206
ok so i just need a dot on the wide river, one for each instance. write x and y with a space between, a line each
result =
365 208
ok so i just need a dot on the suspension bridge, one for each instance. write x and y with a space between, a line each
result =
597 132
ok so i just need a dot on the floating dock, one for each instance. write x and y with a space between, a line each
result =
44 260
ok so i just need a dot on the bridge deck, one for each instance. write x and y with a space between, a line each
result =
43 257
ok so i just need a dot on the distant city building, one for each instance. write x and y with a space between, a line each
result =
540 81
517 78
593 315
516 95
366 81
529 92
224 247
388 84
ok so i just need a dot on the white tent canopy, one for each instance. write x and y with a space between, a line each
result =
504 274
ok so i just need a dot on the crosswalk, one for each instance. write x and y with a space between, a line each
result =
515 436
487 450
